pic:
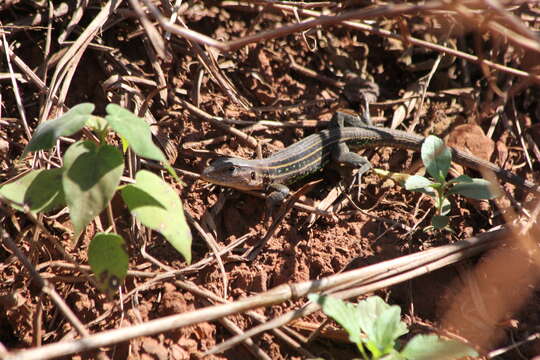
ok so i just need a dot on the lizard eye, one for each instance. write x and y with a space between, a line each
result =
253 175
231 169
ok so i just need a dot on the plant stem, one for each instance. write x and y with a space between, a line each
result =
360 346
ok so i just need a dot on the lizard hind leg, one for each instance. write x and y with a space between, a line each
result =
341 155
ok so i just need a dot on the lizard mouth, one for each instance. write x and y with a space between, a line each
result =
210 175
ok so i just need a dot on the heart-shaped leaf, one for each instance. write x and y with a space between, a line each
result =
40 190
68 124
91 175
135 130
108 259
156 205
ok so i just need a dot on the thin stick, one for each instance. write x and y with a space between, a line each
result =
213 245
363 287
418 42
423 262
249 140
16 92
342 19
45 287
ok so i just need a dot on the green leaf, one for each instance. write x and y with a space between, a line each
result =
135 130
436 157
387 328
420 184
40 190
344 313
97 123
446 206
479 189
100 126
370 311
157 206
460 179
68 124
428 347
393 356
373 317
108 259
91 175
439 221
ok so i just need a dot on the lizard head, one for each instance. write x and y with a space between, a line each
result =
236 173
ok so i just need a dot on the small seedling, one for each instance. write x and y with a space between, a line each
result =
374 326
436 157
89 178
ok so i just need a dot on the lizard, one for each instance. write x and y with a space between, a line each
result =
274 173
